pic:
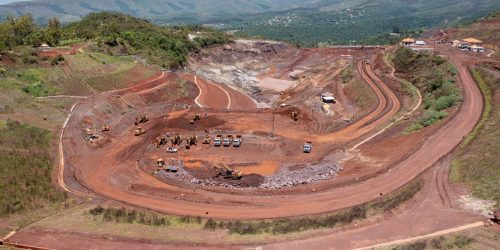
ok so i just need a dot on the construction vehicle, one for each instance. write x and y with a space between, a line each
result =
160 163
160 140
171 150
207 140
176 140
196 117
139 131
227 172
227 141
190 141
141 119
237 141
105 128
295 115
308 147
218 140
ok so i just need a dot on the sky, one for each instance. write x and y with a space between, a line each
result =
9 1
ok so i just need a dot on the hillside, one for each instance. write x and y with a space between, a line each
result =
487 30
302 22
182 10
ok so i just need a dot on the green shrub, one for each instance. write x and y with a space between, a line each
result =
431 116
38 89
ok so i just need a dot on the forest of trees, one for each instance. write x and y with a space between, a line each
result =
165 46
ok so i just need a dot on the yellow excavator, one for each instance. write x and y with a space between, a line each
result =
227 172
139 131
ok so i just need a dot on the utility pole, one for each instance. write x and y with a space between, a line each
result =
272 129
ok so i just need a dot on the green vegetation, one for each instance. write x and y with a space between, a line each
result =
123 215
347 74
435 77
448 242
25 167
123 34
476 163
114 33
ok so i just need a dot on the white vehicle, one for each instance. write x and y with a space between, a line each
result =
237 142
172 150
308 147
217 141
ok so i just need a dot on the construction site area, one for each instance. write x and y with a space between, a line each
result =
260 130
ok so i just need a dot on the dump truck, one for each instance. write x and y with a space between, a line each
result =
295 115
105 128
308 147
161 140
207 140
190 141
139 131
176 140
141 119
237 141
227 172
218 140
227 141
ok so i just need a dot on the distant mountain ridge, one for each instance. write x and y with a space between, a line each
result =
194 10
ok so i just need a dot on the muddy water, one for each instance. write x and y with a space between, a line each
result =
266 168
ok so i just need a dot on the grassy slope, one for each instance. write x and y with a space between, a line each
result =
476 164
25 167
477 238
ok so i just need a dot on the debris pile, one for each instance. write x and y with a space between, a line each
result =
288 178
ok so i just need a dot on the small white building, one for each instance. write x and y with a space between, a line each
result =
475 48
420 43
327 97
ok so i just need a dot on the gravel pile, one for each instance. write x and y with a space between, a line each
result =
306 175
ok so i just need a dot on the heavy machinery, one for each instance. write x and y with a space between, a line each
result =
207 139
176 140
308 147
190 141
141 119
160 163
227 172
227 141
105 128
139 131
237 141
295 115
218 140
196 117
160 140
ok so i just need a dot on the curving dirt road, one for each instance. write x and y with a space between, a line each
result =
114 176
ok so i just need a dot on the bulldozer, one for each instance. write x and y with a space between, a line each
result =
176 140
227 172
196 117
190 141
139 131
207 140
141 119
295 115
105 128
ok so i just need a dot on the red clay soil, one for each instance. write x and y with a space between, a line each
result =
111 177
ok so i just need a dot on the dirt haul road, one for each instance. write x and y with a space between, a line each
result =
117 176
